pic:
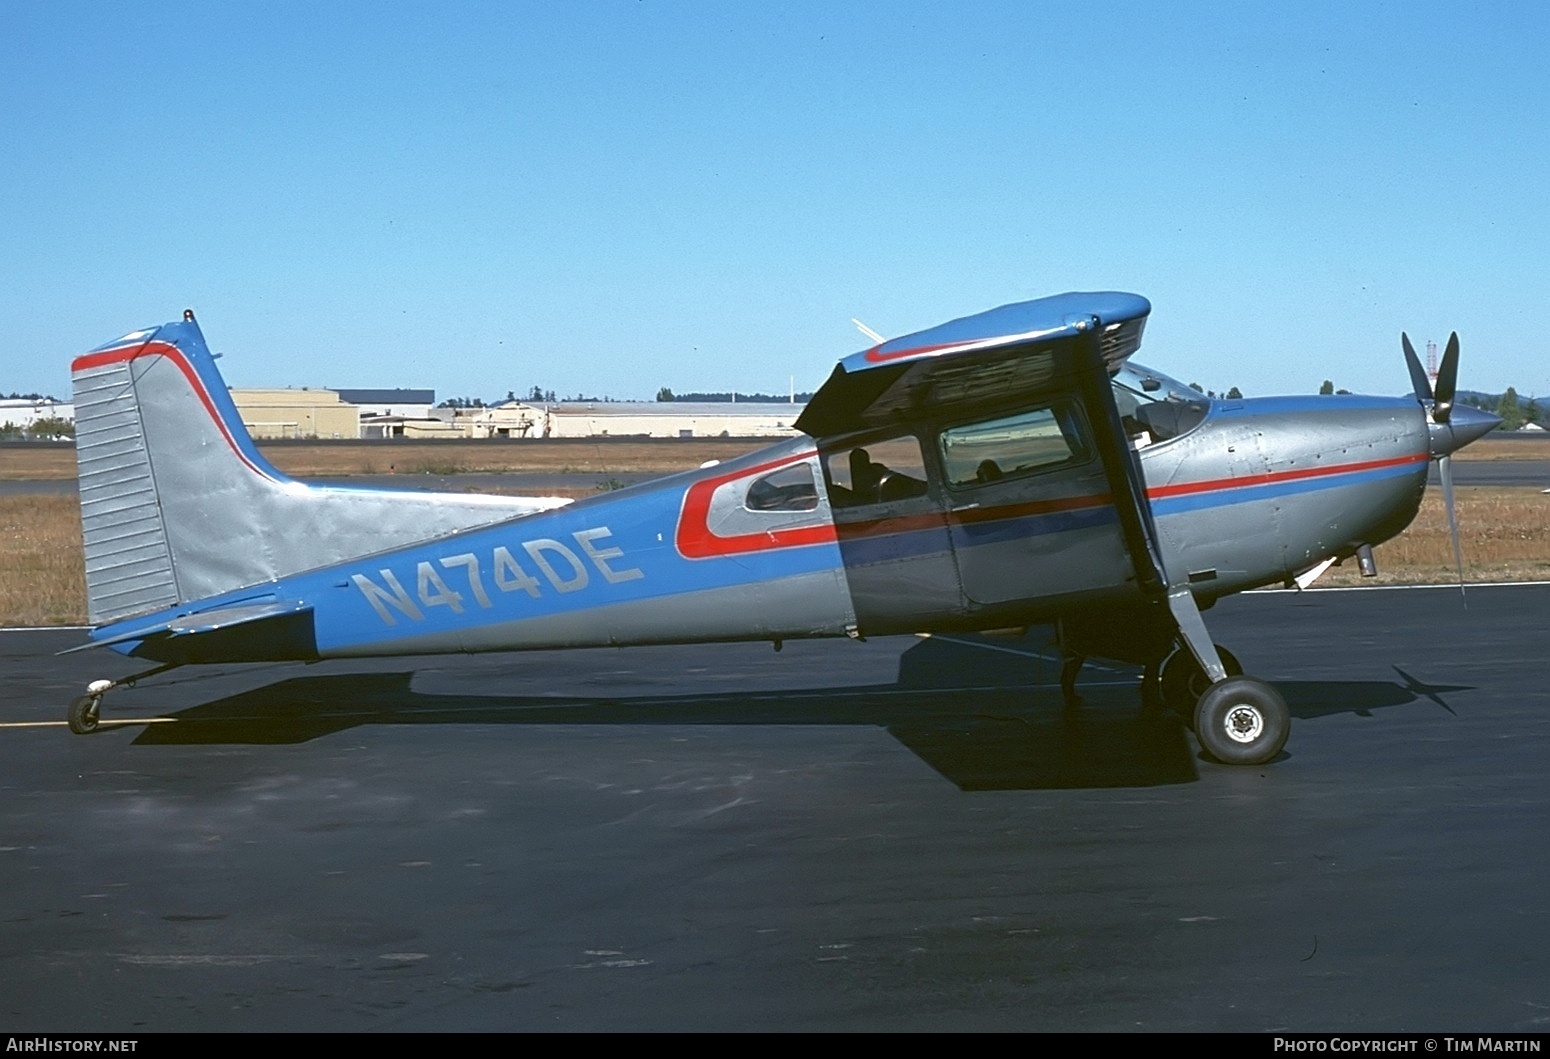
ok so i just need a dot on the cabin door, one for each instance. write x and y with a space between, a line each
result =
1028 509
893 534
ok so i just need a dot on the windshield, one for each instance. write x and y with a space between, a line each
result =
1154 407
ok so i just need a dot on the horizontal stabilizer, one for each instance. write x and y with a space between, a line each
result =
245 632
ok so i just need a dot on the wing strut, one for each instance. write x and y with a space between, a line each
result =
1128 489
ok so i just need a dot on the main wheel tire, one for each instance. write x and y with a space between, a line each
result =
1183 681
84 716
1242 721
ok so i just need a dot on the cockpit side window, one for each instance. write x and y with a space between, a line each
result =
877 472
1154 407
788 489
1014 446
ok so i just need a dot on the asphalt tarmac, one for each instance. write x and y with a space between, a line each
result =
903 834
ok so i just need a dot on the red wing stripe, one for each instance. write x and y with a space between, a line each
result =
877 356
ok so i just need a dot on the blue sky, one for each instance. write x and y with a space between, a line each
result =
610 197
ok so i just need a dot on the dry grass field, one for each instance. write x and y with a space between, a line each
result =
1505 535
333 459
1505 531
42 573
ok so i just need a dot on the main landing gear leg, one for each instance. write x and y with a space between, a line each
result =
1153 701
1239 720
85 712
1070 665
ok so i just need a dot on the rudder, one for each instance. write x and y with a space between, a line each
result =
128 559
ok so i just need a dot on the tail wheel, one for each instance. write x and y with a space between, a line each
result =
84 714
1242 721
1183 681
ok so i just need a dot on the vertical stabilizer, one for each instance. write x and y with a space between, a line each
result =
177 504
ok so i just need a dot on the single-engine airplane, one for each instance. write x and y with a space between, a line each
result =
1001 470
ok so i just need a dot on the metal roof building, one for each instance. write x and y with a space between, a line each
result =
671 419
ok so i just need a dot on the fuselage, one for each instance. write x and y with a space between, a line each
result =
981 521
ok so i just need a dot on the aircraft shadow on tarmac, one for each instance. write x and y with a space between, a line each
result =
983 722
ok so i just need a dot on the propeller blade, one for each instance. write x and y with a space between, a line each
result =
1447 380
1445 469
1418 380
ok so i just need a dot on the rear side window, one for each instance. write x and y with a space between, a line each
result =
1013 446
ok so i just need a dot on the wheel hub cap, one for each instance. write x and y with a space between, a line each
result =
1244 724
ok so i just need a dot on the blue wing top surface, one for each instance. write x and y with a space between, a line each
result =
1020 323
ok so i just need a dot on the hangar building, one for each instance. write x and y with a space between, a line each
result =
291 413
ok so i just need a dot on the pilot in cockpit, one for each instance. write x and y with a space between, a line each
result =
864 474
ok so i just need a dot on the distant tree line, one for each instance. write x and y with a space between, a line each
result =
1233 394
49 428
539 395
664 394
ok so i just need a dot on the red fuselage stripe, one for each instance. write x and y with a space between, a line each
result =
696 540
1273 477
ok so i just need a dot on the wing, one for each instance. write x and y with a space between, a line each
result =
1017 350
